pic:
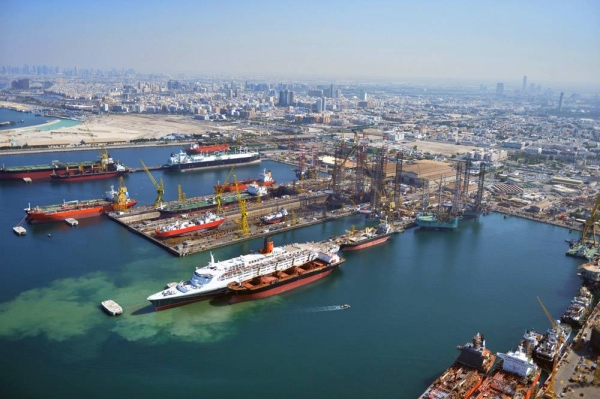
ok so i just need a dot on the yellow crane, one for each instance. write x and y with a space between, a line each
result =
590 225
122 197
160 186
561 341
219 188
180 194
244 227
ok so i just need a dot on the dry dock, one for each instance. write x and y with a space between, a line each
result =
304 210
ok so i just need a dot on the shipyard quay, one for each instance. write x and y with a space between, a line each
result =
368 227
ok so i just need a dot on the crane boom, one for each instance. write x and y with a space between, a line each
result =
160 187
551 379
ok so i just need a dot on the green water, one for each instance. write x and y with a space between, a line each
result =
413 300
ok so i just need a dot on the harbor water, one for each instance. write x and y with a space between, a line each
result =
413 300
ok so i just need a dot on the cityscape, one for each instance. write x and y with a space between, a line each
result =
372 200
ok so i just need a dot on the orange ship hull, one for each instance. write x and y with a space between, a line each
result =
77 211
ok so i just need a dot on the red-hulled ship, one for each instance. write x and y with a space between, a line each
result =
198 148
91 174
208 221
367 237
265 179
463 378
44 171
275 217
115 200
515 376
317 261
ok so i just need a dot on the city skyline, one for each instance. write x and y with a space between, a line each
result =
550 42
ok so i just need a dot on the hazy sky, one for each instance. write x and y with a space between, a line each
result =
549 41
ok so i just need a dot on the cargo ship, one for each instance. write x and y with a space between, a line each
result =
276 278
579 309
265 179
514 376
90 174
114 200
198 204
367 237
549 348
199 148
275 217
182 162
44 171
429 221
206 222
212 280
463 378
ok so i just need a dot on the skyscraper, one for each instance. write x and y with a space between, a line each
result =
499 89
525 83
560 101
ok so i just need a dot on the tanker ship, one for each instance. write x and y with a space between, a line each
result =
369 236
265 180
114 200
316 262
43 172
182 162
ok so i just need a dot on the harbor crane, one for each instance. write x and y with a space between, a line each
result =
160 186
589 228
244 227
561 341
219 191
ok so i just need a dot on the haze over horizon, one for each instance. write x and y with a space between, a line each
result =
549 41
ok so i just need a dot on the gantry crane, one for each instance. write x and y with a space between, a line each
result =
244 227
160 186
561 341
219 188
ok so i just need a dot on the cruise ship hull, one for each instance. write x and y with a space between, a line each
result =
212 163
173 302
275 287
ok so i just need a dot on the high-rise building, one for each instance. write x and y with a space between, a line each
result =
331 91
363 96
499 89
560 101
525 83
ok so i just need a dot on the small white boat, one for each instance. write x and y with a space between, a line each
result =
111 307
19 230
344 306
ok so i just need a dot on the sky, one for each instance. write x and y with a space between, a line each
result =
549 41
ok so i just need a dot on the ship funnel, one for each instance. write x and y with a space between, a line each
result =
268 246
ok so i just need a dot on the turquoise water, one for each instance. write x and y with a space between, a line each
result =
31 121
412 301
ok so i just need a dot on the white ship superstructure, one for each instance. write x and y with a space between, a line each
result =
212 280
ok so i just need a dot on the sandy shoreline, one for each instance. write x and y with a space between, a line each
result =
121 129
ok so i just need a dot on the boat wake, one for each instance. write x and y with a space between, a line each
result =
318 309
